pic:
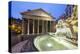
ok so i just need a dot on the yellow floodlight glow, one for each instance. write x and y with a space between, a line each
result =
18 31
13 26
73 22
75 28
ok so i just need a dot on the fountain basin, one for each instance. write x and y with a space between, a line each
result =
48 43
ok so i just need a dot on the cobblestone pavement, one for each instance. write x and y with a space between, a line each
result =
19 46
29 46
24 46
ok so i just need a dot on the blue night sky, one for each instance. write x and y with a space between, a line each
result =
55 10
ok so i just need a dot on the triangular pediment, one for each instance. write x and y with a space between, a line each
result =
37 12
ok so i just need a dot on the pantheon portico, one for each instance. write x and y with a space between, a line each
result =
36 21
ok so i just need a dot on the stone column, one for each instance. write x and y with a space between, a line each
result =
42 26
33 25
50 27
28 28
46 26
23 26
38 27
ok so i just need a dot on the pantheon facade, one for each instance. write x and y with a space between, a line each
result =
37 21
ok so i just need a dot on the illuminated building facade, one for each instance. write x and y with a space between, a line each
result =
37 22
72 23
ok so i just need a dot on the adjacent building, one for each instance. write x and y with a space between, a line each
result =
72 22
15 25
69 10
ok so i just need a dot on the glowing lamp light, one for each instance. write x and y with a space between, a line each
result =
13 26
18 31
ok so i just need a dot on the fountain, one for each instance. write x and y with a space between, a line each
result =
49 42
62 30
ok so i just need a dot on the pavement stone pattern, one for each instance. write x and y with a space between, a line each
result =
18 47
24 46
